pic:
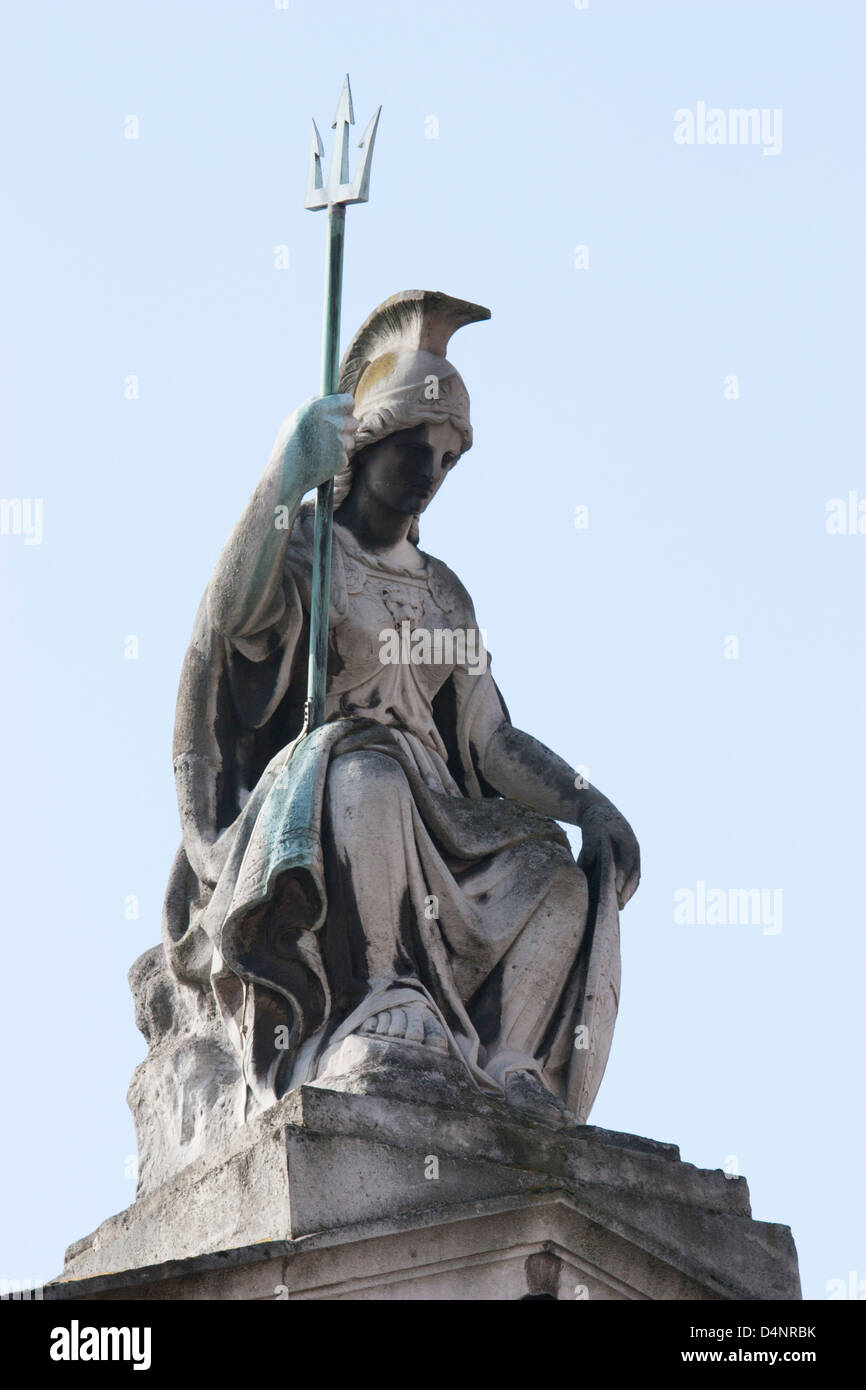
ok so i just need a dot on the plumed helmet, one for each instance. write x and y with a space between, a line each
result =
396 369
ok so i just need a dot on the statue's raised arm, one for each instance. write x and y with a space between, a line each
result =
313 443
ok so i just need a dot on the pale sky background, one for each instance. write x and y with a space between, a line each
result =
602 386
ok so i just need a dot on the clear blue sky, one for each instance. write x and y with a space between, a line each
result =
602 387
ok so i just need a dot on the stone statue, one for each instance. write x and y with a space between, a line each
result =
398 874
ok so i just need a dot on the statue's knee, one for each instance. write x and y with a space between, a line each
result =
365 780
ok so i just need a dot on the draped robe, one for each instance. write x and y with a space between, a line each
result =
471 902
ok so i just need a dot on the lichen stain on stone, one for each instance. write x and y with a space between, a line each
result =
376 372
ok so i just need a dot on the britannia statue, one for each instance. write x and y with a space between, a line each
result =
399 871
379 952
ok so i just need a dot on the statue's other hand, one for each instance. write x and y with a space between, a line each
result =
314 442
603 826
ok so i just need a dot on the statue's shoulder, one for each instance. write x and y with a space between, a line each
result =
449 591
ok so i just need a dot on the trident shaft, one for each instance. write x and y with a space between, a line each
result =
335 195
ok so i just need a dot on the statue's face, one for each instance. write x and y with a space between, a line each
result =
406 470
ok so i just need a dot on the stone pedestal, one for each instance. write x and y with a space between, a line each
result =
397 1180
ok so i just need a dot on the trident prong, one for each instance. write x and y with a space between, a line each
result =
314 178
340 188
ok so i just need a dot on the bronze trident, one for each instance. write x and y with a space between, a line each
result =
335 195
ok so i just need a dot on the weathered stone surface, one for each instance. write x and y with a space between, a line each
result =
344 1192
186 1096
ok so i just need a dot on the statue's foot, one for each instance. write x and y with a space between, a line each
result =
415 1023
525 1092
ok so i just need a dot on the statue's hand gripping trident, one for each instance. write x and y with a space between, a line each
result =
335 195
